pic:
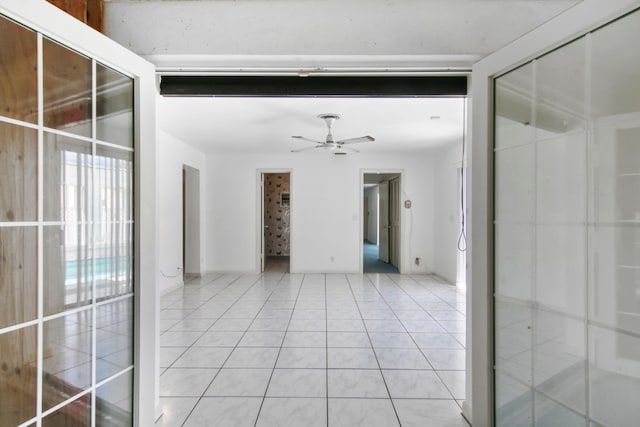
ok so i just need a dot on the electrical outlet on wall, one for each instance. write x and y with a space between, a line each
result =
417 261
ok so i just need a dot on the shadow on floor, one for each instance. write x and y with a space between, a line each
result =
276 264
371 263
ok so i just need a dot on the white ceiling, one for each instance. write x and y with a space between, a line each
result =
265 125
317 34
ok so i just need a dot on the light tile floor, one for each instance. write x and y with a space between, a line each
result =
281 349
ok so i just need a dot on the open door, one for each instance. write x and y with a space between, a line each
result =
384 226
394 222
263 226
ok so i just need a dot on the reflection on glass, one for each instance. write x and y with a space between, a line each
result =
513 96
114 329
614 377
75 414
67 179
18 173
113 250
18 275
18 376
18 74
560 89
113 402
615 68
66 357
114 105
550 414
68 267
513 342
67 89
514 402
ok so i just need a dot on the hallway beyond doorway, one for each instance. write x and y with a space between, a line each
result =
313 350
371 262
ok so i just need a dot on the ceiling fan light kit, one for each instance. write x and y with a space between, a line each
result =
329 143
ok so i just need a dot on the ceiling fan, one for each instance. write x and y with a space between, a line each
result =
329 143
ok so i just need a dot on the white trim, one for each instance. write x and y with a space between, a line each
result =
575 22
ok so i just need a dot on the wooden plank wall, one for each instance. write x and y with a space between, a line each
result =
91 12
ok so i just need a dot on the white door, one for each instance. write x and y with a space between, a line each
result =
394 222
263 225
383 233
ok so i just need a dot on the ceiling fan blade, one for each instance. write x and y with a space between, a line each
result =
345 150
307 139
356 140
305 149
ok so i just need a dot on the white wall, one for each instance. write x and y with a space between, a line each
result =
173 154
446 211
326 204
372 194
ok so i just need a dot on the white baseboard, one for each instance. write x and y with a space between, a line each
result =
172 288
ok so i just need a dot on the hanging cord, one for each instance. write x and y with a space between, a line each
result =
462 239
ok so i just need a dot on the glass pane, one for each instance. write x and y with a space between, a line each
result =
19 72
560 89
113 402
561 268
66 357
18 173
75 414
67 267
514 402
513 340
614 377
18 275
114 329
514 191
67 179
514 261
513 114
18 377
560 359
615 68
114 249
67 89
561 178
550 414
114 105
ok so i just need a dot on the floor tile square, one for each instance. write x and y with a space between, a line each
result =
240 382
277 412
348 339
345 325
252 357
262 339
219 339
436 341
388 325
292 357
391 340
429 413
356 383
225 411
401 358
362 412
168 355
355 358
415 384
230 325
179 339
308 325
427 326
203 357
175 410
184 382
305 339
269 325
446 359
298 383
455 382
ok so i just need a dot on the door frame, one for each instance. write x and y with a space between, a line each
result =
52 22
401 249
573 23
260 256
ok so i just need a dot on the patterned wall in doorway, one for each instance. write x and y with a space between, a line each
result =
276 215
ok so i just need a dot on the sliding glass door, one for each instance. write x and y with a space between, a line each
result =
567 234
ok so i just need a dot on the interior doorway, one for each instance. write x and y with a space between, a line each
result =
275 214
191 222
381 215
